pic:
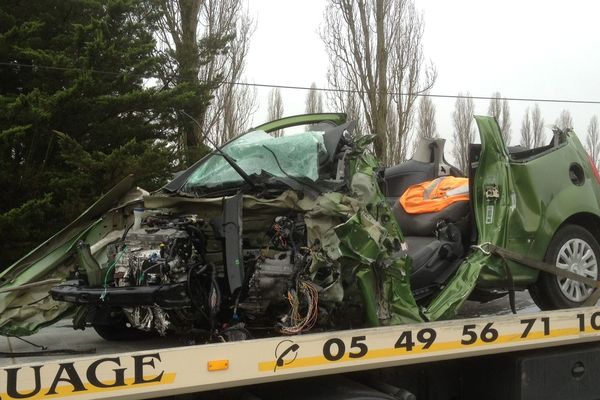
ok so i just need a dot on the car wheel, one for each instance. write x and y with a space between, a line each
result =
573 248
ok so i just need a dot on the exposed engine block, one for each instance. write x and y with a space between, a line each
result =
269 283
144 259
179 286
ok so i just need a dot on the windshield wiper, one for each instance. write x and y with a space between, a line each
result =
313 189
227 158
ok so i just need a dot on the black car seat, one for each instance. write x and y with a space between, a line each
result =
435 241
427 163
434 216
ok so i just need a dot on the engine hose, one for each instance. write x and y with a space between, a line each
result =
293 242
117 259
172 250
126 232
198 240
143 274
214 288
191 291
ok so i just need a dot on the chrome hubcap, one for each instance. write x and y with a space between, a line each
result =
576 256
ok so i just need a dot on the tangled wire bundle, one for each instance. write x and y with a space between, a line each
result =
299 323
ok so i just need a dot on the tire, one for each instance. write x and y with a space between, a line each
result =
575 248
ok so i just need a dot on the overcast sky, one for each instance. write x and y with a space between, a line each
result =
522 48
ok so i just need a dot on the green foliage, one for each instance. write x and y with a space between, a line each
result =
91 81
25 224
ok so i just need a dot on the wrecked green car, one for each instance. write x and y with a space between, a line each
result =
283 235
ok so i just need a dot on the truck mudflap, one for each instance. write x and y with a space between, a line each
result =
176 370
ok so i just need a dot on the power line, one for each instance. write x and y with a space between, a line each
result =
66 69
445 96
334 90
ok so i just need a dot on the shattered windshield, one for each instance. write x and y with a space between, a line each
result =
294 155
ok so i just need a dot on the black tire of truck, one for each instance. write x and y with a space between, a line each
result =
550 294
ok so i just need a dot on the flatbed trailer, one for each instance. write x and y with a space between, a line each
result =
566 364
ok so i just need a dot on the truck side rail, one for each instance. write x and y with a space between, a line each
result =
177 370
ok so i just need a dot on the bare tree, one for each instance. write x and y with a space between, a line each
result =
275 108
208 42
375 49
499 108
314 100
426 127
344 100
532 129
564 121
233 105
397 147
537 126
593 141
527 139
464 130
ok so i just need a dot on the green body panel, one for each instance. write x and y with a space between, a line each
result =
374 240
542 198
26 311
297 120
490 218
452 297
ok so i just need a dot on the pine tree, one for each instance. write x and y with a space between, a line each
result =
77 112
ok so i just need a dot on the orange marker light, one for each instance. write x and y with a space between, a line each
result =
218 365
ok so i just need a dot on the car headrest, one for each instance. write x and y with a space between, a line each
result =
333 136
